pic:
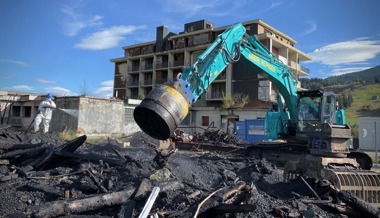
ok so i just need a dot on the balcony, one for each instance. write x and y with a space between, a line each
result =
301 70
133 83
148 67
162 65
178 63
146 82
135 68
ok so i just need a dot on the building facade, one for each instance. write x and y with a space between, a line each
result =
144 65
18 109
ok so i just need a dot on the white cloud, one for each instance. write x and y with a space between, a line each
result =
311 28
59 91
20 63
20 88
75 21
188 8
106 89
44 81
344 70
107 38
349 52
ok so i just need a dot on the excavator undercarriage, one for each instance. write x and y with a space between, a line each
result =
345 170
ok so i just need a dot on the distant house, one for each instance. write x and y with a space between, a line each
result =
18 109
84 115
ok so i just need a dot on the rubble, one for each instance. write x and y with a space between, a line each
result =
43 176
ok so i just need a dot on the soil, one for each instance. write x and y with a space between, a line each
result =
186 178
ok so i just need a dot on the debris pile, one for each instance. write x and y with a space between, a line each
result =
42 176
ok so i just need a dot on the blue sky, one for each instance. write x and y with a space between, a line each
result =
65 46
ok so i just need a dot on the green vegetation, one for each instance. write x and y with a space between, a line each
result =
363 105
67 134
239 100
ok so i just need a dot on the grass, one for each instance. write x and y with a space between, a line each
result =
363 105
68 134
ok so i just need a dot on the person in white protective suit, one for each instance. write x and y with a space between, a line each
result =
45 108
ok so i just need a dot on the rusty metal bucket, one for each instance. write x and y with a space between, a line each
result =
161 111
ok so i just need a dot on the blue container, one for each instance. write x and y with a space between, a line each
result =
240 130
255 130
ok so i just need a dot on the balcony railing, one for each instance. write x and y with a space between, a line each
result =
162 65
133 83
148 67
305 69
301 69
146 82
135 68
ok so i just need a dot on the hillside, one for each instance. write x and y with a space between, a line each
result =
363 105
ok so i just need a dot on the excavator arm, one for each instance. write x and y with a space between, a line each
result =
194 80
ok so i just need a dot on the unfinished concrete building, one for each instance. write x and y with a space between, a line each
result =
18 109
159 61
83 115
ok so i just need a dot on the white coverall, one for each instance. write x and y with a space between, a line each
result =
46 110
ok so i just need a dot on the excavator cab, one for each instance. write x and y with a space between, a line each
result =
315 107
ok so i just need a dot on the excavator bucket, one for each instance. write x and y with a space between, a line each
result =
161 111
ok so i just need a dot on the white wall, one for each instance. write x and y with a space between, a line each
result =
369 133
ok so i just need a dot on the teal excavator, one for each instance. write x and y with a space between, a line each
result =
306 131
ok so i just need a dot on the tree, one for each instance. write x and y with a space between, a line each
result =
350 100
239 100
340 101
345 101
83 89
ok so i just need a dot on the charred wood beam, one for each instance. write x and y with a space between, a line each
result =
72 145
48 190
44 158
358 204
21 152
59 208
96 181
13 147
90 157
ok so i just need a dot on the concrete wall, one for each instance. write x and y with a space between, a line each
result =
95 117
62 120
369 133
101 117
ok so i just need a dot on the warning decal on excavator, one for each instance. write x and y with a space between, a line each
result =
262 62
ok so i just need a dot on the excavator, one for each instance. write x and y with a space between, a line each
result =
305 130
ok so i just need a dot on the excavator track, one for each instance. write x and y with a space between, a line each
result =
343 173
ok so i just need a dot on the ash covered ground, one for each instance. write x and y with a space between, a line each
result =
192 183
